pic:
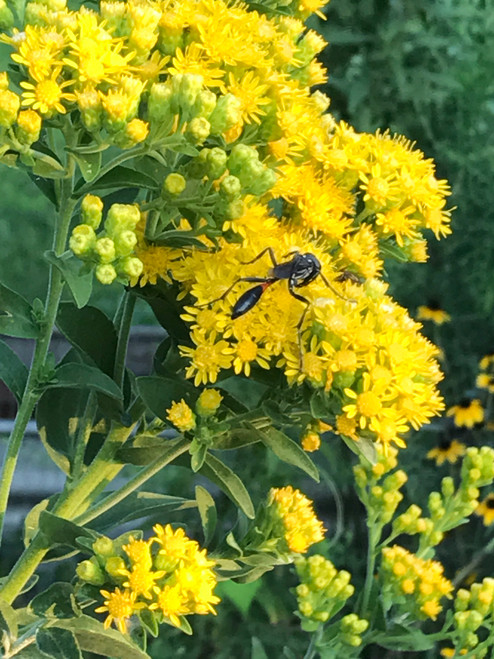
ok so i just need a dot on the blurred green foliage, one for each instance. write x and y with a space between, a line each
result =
425 70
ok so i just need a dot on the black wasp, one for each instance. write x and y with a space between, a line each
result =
299 271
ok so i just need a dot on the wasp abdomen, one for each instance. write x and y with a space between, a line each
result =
248 300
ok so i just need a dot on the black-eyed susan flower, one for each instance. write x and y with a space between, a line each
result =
486 509
449 450
433 311
467 414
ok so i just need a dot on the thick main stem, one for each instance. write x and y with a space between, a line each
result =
31 394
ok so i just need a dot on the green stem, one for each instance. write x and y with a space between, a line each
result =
311 650
374 535
32 393
128 305
139 479
69 504
477 558
83 434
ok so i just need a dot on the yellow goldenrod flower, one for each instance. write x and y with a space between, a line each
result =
467 414
28 126
311 441
120 605
181 416
47 94
447 450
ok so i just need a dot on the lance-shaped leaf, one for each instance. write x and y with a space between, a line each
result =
207 511
58 643
57 601
227 480
82 376
89 164
15 315
8 619
12 371
79 283
59 531
289 451
93 637
118 177
91 332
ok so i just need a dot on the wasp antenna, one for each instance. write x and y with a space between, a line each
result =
332 288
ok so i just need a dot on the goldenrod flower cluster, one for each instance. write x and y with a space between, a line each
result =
323 590
168 574
416 584
474 608
110 251
240 156
182 417
289 523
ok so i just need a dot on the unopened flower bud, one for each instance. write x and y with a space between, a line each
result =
105 249
216 160
205 103
103 546
82 239
92 210
131 267
174 184
28 126
9 107
6 17
114 566
198 130
208 402
160 103
137 131
90 572
230 187
106 274
226 114
125 242
122 217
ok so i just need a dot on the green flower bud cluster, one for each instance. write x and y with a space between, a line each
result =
351 629
255 178
449 507
106 564
323 590
183 95
474 608
111 250
379 490
6 17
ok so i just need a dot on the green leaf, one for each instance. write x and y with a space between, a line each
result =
79 283
46 186
16 315
91 332
12 371
238 438
155 447
139 505
245 391
57 415
198 453
118 177
149 622
58 643
159 393
241 595
8 619
93 637
47 167
289 451
82 376
258 651
218 473
175 238
59 531
207 511
31 521
89 164
363 446
402 638
57 601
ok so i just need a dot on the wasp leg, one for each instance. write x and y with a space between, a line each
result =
251 280
268 250
307 303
